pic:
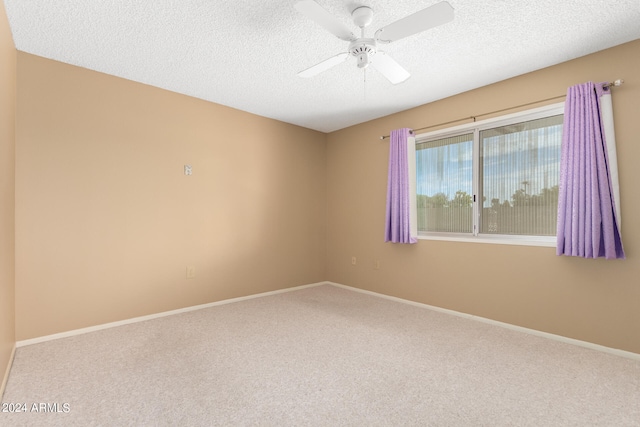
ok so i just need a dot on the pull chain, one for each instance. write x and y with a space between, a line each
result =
364 82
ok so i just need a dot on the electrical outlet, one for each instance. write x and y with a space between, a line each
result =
188 170
353 260
191 272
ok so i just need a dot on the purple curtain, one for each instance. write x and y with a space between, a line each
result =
398 219
587 225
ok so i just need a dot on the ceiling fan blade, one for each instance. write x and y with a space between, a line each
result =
317 13
324 65
389 68
438 14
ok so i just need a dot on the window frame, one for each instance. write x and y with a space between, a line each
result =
475 128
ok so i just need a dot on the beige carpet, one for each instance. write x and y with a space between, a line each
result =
322 356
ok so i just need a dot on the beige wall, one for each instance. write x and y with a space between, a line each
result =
591 300
106 221
7 168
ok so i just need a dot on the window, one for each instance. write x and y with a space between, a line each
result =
495 180
444 170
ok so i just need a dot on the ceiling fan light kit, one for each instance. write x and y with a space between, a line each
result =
365 50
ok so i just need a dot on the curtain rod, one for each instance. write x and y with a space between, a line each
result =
616 82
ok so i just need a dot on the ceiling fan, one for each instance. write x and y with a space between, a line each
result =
366 49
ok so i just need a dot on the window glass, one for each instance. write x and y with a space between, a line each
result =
445 184
495 179
519 172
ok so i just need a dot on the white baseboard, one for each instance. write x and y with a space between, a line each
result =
156 315
6 372
586 344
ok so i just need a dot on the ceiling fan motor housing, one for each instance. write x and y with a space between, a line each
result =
363 50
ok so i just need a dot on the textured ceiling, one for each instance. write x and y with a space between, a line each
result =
246 54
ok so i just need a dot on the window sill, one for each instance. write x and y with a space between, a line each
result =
545 241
